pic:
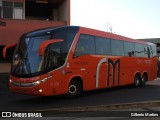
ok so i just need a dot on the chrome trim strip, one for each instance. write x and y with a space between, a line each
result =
104 60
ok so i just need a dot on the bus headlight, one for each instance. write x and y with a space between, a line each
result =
28 84
40 81
10 81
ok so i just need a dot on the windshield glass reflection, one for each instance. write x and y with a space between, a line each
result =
26 59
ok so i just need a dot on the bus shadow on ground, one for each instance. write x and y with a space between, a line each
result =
124 94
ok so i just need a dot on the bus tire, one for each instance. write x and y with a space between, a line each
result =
143 80
74 89
137 80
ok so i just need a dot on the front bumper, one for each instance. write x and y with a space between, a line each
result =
37 88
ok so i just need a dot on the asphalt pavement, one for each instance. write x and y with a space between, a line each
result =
10 101
119 103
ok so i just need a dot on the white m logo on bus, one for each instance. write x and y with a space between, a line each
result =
113 64
104 60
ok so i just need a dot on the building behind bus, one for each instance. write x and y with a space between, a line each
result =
21 16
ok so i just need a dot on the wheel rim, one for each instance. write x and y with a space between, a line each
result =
137 81
144 79
72 89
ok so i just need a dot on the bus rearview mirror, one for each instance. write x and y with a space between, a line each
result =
44 44
6 48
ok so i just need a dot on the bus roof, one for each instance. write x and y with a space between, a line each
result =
108 35
85 31
48 30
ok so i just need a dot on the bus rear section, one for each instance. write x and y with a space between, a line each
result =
70 60
113 61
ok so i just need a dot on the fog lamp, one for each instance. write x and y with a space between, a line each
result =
40 90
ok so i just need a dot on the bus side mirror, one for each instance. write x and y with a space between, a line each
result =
7 47
130 54
44 44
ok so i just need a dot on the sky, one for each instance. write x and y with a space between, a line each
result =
131 18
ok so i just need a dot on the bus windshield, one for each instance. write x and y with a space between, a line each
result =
26 60
28 63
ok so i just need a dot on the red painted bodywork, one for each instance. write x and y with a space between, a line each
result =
84 67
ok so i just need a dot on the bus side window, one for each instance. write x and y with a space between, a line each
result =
117 47
140 50
54 56
129 49
103 46
154 50
85 45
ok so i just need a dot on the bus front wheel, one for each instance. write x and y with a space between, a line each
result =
74 89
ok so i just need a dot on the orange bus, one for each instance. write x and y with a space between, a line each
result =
71 59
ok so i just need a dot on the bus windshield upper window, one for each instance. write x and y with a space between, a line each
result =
36 41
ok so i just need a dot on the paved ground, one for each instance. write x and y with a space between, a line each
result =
16 102
21 103
5 67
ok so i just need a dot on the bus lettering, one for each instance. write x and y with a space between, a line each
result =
113 64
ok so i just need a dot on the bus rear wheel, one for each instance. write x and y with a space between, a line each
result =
74 89
143 80
137 80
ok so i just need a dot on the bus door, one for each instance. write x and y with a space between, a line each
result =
54 60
